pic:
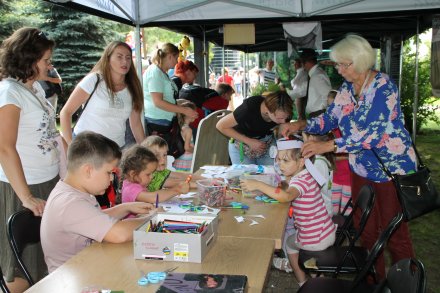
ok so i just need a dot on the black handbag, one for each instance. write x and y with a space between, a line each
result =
416 191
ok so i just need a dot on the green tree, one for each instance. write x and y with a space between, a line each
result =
424 111
15 14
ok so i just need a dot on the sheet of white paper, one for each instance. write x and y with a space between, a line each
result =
239 219
253 223
257 216
174 209
186 195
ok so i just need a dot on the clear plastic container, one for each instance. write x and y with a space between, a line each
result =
232 178
212 192
269 179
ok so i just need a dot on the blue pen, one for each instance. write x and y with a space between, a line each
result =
157 200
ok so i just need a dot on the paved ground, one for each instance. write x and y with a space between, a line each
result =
280 281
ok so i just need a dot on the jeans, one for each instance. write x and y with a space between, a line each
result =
234 154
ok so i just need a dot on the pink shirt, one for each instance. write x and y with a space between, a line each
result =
71 221
311 217
131 190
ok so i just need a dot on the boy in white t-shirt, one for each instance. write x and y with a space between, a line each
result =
72 218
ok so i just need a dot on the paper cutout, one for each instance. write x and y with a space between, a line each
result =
239 219
253 223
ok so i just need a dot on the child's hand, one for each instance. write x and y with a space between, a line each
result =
249 184
183 187
139 207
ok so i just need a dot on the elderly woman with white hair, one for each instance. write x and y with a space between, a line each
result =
367 111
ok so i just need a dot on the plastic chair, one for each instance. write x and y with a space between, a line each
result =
344 259
405 276
23 229
3 285
211 146
359 283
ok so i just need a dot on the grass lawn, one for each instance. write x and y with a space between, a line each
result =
425 231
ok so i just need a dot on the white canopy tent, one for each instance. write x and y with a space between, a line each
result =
203 19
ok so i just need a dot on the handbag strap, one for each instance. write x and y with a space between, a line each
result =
388 172
91 94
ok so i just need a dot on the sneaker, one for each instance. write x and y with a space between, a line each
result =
282 264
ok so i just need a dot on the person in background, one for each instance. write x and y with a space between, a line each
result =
160 94
299 87
183 163
250 127
138 165
212 80
341 186
29 157
72 218
238 81
225 78
163 177
118 97
184 72
268 74
315 100
52 86
325 164
367 112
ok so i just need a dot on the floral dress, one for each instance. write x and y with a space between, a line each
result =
374 122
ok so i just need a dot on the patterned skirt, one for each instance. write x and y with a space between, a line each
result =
183 163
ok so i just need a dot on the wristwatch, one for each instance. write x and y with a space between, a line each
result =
335 146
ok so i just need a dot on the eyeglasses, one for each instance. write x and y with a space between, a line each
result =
343 65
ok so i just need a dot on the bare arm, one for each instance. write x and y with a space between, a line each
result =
122 210
136 126
159 102
187 136
76 99
164 194
274 192
11 162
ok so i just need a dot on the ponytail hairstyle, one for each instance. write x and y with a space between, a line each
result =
161 53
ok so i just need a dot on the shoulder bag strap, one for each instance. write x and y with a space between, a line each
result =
384 168
91 94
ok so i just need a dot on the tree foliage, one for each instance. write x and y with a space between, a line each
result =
425 111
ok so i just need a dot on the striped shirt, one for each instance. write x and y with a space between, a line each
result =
312 220
268 76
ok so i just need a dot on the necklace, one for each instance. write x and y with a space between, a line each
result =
364 84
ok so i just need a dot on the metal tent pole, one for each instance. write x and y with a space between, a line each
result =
416 86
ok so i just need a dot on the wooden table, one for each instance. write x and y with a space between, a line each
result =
272 227
112 266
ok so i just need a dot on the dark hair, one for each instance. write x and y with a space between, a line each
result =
93 148
131 78
183 66
180 116
203 283
20 52
281 101
223 88
136 158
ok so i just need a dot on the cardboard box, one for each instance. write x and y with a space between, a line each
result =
175 246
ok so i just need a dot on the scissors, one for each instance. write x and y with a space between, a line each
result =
154 277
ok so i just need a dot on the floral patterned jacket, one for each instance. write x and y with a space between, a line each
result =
375 122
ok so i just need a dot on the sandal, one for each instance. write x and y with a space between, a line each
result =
282 264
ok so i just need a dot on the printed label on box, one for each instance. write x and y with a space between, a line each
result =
181 252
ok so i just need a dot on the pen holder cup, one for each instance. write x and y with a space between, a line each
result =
232 178
211 192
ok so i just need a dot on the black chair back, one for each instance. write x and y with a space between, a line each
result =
364 203
376 249
23 229
405 276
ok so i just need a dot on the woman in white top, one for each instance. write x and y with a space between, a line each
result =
118 97
28 150
160 94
